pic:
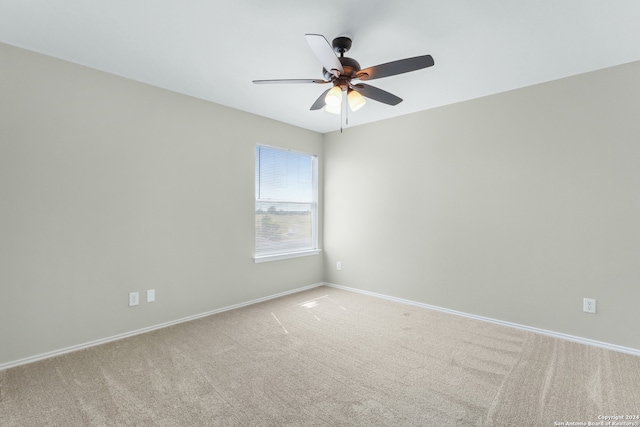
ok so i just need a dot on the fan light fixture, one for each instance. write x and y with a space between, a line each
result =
333 100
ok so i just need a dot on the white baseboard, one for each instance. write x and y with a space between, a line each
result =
607 346
94 343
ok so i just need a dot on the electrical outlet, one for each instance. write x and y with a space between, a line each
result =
339 265
134 298
589 305
151 295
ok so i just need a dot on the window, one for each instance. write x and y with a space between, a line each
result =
286 219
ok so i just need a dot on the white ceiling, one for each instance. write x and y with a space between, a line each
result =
213 49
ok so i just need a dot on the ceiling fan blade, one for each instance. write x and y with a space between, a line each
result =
325 54
320 101
279 81
395 67
377 94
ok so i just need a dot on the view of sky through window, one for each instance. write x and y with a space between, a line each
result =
283 175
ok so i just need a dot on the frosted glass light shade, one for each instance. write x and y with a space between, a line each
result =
334 97
356 101
333 109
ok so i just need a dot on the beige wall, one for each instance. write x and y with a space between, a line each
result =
109 186
513 207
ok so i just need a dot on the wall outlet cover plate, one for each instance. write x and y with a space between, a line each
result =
589 305
134 298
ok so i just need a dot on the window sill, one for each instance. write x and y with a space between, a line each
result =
276 257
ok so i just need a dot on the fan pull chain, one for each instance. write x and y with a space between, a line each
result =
346 109
341 113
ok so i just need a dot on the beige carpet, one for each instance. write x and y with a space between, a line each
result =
326 357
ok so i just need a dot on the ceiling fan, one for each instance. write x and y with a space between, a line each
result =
340 71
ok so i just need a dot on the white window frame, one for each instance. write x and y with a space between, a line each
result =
315 250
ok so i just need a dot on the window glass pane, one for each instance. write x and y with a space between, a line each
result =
284 175
285 209
283 227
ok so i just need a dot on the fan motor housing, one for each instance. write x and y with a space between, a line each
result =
350 68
